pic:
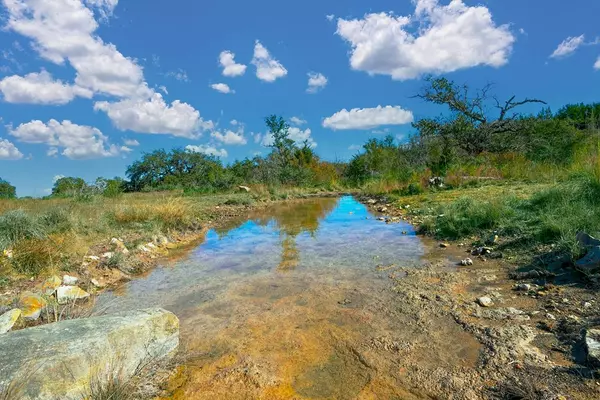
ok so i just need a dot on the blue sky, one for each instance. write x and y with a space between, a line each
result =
86 86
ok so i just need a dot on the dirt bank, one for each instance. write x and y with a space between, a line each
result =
530 334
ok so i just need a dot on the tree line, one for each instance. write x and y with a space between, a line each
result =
476 125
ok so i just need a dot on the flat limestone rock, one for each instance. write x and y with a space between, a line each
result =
58 361
65 294
8 319
31 306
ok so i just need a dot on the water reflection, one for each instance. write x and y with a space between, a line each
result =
328 239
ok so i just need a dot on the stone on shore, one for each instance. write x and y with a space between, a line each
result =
485 302
64 294
8 319
58 361
50 285
31 306
592 346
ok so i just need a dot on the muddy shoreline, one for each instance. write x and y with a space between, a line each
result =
530 341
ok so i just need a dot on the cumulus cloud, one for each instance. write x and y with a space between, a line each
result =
155 116
131 142
368 118
297 121
268 69
447 38
298 135
9 151
230 137
64 32
222 88
77 141
597 64
39 88
316 82
568 46
230 67
207 149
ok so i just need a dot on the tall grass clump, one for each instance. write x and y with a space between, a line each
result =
56 220
467 216
566 209
16 225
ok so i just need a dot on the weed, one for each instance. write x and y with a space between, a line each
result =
34 256
17 225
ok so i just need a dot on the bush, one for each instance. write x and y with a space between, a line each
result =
56 220
33 256
18 225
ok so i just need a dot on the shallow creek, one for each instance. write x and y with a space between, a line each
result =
291 303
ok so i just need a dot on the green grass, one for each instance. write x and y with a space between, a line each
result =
552 215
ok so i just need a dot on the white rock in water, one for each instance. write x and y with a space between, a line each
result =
485 302
61 360
70 280
64 294
592 345
8 319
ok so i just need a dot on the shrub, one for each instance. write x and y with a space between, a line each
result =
17 225
33 256
56 220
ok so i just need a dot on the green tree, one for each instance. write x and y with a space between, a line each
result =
7 191
69 187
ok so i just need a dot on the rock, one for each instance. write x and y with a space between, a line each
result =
592 346
533 274
31 306
93 258
382 209
381 219
492 239
524 287
108 255
58 361
151 246
444 245
8 319
586 240
244 188
69 280
372 201
591 261
143 248
485 302
97 284
162 240
50 285
436 181
64 294
550 316
587 304
466 262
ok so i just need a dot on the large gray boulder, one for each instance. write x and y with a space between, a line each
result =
59 361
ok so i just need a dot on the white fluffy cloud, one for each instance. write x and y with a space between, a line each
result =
131 142
207 149
597 64
297 121
316 82
298 135
77 141
230 137
448 38
9 151
222 88
368 118
39 88
230 67
64 31
268 69
154 116
568 46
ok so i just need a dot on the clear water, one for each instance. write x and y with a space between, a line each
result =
285 304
